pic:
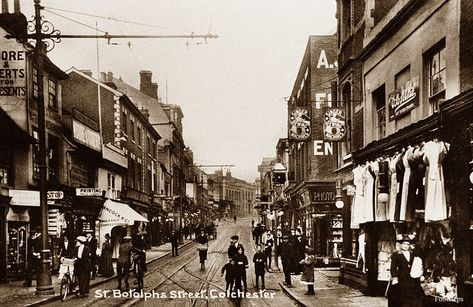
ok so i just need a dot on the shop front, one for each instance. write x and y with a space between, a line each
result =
415 182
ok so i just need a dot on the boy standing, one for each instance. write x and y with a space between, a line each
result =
259 259
229 268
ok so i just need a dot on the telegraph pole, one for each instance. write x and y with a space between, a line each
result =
44 282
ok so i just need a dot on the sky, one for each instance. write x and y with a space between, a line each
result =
231 90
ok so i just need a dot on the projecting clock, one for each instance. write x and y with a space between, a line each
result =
299 122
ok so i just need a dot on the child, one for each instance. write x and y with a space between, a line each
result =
230 273
241 264
259 259
308 274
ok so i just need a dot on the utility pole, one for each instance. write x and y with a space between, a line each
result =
44 282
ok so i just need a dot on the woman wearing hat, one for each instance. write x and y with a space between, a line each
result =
308 275
406 269
106 266
82 265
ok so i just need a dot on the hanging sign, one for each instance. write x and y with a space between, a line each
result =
403 100
299 124
334 125
12 71
89 192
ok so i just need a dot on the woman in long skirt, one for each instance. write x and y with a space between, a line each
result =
106 267
202 247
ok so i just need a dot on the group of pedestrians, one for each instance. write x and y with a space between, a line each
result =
235 269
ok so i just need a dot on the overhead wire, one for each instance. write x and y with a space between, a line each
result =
78 22
118 20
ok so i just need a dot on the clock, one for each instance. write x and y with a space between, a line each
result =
334 125
299 124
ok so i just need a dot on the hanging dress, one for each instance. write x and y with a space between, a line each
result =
435 201
379 208
415 196
369 192
400 169
393 187
358 212
405 184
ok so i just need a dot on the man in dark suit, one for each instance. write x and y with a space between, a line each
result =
92 245
234 245
174 243
33 258
67 248
285 251
404 290
82 265
124 261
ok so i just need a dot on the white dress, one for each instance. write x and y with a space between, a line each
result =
405 182
393 187
435 202
358 212
380 208
369 194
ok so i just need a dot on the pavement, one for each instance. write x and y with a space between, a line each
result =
15 294
328 292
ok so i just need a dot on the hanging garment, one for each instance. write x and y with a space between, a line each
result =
393 186
380 208
369 194
361 252
405 184
415 195
435 202
400 170
358 213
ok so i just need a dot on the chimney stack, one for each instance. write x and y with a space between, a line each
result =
146 86
16 7
109 77
87 72
5 7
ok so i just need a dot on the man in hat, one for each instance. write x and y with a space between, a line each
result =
174 243
285 251
33 257
124 261
92 245
404 289
82 265
234 245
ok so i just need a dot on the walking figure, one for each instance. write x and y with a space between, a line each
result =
285 251
82 265
174 243
241 264
202 247
259 259
234 219
229 270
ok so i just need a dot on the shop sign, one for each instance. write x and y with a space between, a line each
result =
24 198
334 125
86 135
403 100
55 195
322 193
299 124
88 192
12 71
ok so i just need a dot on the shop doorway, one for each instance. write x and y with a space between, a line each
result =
17 249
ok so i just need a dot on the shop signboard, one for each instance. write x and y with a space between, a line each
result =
86 135
89 192
12 72
322 193
334 125
403 100
52 195
24 198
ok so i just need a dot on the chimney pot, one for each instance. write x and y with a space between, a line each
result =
5 7
109 76
87 72
103 77
16 7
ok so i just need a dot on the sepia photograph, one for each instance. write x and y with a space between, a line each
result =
308 153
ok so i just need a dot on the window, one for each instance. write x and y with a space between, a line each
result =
111 186
35 154
139 175
124 122
138 130
346 23
379 99
6 166
53 158
153 154
52 91
132 129
437 75
131 178
148 144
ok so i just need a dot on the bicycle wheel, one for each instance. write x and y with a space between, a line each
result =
65 287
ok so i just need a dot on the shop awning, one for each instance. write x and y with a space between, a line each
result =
119 214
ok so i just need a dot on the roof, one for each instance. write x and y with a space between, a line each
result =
11 133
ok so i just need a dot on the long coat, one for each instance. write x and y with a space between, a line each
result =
82 269
408 291
106 266
308 274
259 259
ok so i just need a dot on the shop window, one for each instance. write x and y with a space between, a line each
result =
435 60
379 99
139 173
6 166
36 154
53 158
52 93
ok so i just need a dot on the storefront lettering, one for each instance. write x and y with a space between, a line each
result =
404 99
13 73
323 61
86 135
322 148
114 213
323 196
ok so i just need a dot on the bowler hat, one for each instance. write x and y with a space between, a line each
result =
404 238
235 237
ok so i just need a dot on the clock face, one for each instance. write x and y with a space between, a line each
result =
299 124
334 125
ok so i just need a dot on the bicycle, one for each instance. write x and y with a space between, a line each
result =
68 280
138 270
